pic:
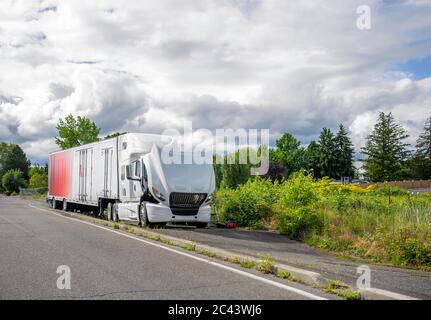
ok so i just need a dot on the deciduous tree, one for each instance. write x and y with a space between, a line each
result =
76 131
289 153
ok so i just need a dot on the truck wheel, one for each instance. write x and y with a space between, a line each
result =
115 212
54 203
109 207
143 217
65 205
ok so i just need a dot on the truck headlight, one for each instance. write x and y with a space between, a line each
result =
209 198
157 194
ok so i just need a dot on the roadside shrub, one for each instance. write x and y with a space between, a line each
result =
406 250
296 223
246 205
38 180
342 218
297 199
266 264
12 180
298 191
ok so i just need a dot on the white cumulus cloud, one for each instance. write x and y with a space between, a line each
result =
146 66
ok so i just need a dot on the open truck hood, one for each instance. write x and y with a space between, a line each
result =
187 178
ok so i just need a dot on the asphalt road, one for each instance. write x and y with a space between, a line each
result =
108 265
413 283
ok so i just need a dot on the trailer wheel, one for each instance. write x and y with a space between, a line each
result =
109 207
143 217
54 203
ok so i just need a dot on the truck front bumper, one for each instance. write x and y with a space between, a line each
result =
158 213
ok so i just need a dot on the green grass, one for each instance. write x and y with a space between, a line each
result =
207 253
284 275
189 247
247 264
266 264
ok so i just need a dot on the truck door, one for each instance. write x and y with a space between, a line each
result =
85 174
107 172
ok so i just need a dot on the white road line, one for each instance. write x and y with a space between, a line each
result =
213 263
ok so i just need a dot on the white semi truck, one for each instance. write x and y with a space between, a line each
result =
126 177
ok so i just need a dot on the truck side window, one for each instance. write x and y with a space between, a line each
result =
145 172
138 172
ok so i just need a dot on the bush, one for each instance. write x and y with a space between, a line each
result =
38 180
12 180
297 223
246 205
343 218
406 250
295 206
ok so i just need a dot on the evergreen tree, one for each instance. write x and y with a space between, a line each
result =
344 154
327 154
385 150
420 164
419 168
423 144
312 158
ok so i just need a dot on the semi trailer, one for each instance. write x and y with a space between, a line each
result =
125 179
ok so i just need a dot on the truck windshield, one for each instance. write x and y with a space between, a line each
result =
194 176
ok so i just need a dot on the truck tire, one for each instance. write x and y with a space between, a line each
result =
54 203
115 212
143 217
201 225
110 211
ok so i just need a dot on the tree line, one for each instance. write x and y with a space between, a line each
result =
16 172
386 156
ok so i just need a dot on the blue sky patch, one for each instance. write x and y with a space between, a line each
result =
419 68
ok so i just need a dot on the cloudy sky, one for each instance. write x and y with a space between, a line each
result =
149 65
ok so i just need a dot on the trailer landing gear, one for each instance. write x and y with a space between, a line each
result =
65 205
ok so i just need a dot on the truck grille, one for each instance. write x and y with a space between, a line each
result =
186 200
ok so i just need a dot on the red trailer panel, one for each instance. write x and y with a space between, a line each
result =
60 173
